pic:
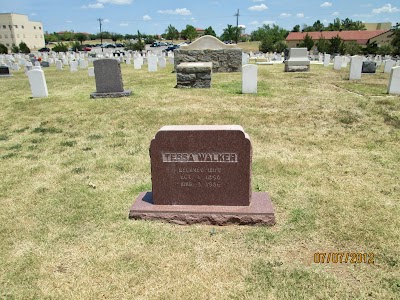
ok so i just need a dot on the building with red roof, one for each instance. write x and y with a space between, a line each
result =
361 37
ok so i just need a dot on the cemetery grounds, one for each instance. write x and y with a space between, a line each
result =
326 149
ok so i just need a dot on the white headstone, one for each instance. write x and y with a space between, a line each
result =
128 60
337 62
162 62
15 66
37 64
355 67
389 64
249 79
137 64
38 84
394 81
327 59
152 63
73 66
83 64
171 60
245 58
59 65
91 71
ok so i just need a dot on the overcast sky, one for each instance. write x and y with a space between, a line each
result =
153 16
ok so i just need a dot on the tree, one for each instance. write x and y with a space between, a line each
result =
189 33
277 33
129 36
335 26
14 49
307 42
171 33
138 46
385 50
81 37
323 45
3 49
318 26
210 31
280 46
396 39
115 37
230 33
60 47
76 46
23 48
296 28
337 45
352 48
371 48
267 45
348 24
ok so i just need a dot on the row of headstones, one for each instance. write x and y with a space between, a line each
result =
369 64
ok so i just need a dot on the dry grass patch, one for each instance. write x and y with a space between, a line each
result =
325 148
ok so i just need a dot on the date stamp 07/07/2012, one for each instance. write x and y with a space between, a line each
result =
344 257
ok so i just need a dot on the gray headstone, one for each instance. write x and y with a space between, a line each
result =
108 76
368 67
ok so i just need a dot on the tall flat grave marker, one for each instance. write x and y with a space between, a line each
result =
108 79
202 174
38 83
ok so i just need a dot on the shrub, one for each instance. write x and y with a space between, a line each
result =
60 47
23 48
3 49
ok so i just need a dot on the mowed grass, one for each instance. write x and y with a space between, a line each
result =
325 148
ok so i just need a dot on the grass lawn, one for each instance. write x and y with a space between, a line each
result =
326 149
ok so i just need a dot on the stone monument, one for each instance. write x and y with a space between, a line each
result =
298 60
5 71
108 79
202 174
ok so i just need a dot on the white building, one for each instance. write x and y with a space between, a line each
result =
16 28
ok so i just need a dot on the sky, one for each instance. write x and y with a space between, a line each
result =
154 16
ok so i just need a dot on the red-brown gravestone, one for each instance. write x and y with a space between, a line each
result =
202 174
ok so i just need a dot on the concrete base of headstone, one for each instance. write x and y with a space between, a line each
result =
260 211
296 68
125 93
194 75
5 75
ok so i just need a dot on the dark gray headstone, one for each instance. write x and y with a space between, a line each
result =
45 64
108 78
368 67
4 71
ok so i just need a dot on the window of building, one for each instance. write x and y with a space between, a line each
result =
4 26
22 26
9 26
40 28
16 26
34 27
8 45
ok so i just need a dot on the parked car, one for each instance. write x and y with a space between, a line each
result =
155 44
171 48
87 49
162 44
110 46
119 45
45 49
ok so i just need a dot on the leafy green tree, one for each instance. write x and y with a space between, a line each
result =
335 26
372 48
323 45
348 24
280 46
210 31
3 49
296 28
189 33
171 33
318 26
337 45
23 48
60 47
352 48
67 36
307 42
81 37
277 33
14 49
230 33
129 36
116 37
385 50
76 46
138 46
396 39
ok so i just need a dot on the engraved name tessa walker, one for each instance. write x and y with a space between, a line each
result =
200 157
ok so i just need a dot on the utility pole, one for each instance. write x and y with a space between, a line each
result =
237 26
101 36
